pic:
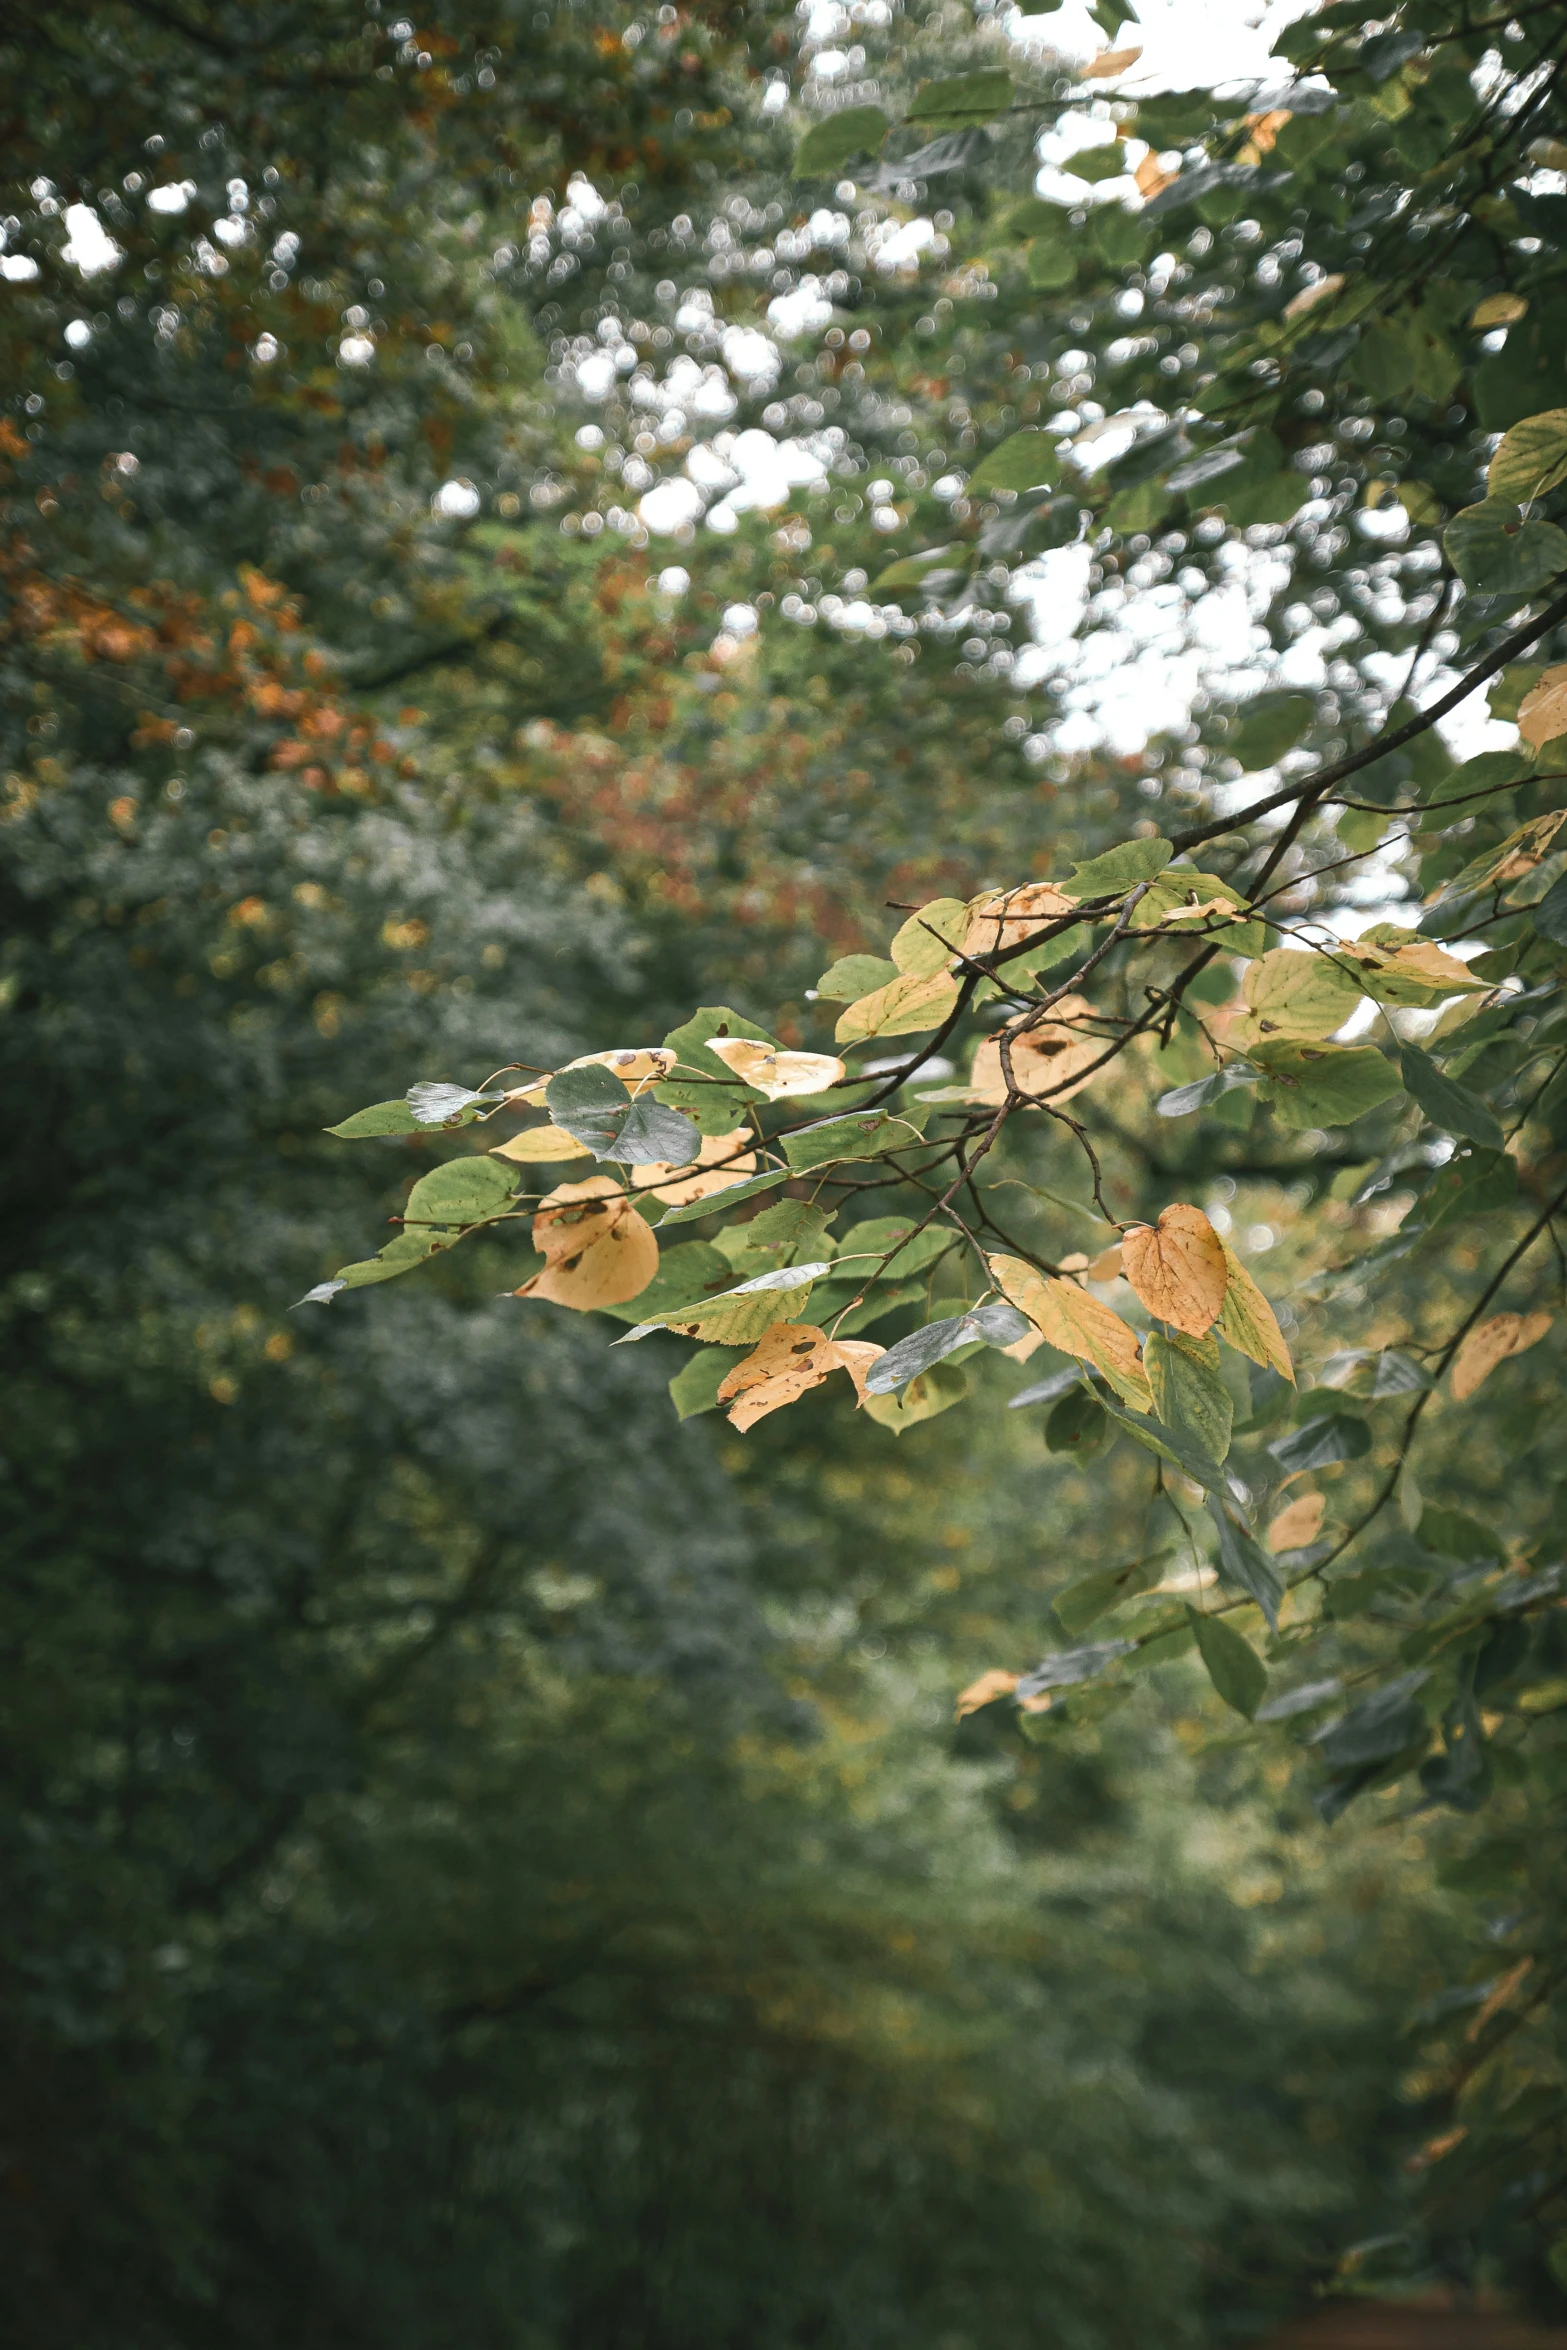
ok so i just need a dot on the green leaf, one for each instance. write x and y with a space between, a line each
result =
1244 1565
912 571
1051 265
1531 460
852 976
1189 1393
927 941
1318 1443
1308 1085
592 1104
1036 216
1203 1092
461 1192
827 146
1270 726
1496 553
863 1243
1234 1667
863 1135
1093 164
1026 460
1447 1104
1452 1534
794 1230
1092 1596
1120 869
694 1387
961 98
380 1118
1473 1183
935 1390
719 1203
399 1256
993 1325
1175 1445
702 1088
738 1316
1079 1423
692 1270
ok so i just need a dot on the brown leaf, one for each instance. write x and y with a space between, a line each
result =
1006 917
1177 1268
1542 714
1078 1324
1151 180
791 1359
597 1250
1310 296
1490 1343
986 1690
1047 1061
722 1160
1297 1523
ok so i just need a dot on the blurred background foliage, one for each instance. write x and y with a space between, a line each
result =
487 1863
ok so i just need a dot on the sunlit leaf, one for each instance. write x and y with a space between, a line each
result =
1005 917
540 1144
855 975
774 1073
380 1118
1542 714
1119 869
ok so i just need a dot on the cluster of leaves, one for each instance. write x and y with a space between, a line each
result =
1406 181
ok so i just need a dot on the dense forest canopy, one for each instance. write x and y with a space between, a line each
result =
848 608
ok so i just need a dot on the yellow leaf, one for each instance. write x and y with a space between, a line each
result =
1047 1061
1298 1523
635 1065
1499 310
1409 972
792 1358
1108 63
1005 917
1542 714
776 1074
986 1690
911 1001
541 1142
1264 129
1292 997
1248 1322
1107 1265
1177 1268
597 1250
1078 1325
1490 1343
925 943
722 1160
